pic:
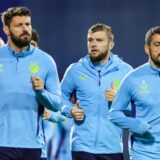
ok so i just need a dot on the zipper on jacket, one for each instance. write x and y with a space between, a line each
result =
98 112
17 61
99 81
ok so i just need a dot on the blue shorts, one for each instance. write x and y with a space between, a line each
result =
90 156
9 153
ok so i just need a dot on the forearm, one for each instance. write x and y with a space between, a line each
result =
49 100
56 117
132 124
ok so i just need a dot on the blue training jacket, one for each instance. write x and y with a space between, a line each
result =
96 134
19 103
141 88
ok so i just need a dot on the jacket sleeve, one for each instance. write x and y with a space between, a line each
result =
56 117
119 105
67 88
50 97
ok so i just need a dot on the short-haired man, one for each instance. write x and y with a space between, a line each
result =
94 79
28 80
141 88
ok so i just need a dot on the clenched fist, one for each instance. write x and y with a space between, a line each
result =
37 83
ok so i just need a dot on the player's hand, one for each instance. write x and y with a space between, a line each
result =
76 112
37 83
110 94
46 114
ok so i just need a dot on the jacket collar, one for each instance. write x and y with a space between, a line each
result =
152 68
22 53
111 65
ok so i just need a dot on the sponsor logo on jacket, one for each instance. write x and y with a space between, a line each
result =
143 87
34 67
116 84
83 77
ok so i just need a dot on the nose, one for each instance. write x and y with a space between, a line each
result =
93 43
26 27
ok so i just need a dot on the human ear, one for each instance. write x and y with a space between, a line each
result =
146 49
6 30
111 45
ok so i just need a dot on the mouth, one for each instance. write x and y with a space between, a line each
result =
25 34
94 51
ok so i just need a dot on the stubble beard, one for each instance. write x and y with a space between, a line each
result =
98 58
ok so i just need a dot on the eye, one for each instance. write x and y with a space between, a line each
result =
99 40
156 44
28 24
19 25
90 40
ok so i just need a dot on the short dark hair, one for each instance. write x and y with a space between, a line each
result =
102 27
35 36
14 11
150 33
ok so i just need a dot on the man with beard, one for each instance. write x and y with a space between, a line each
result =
141 88
93 78
28 80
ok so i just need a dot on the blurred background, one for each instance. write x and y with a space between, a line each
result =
63 25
